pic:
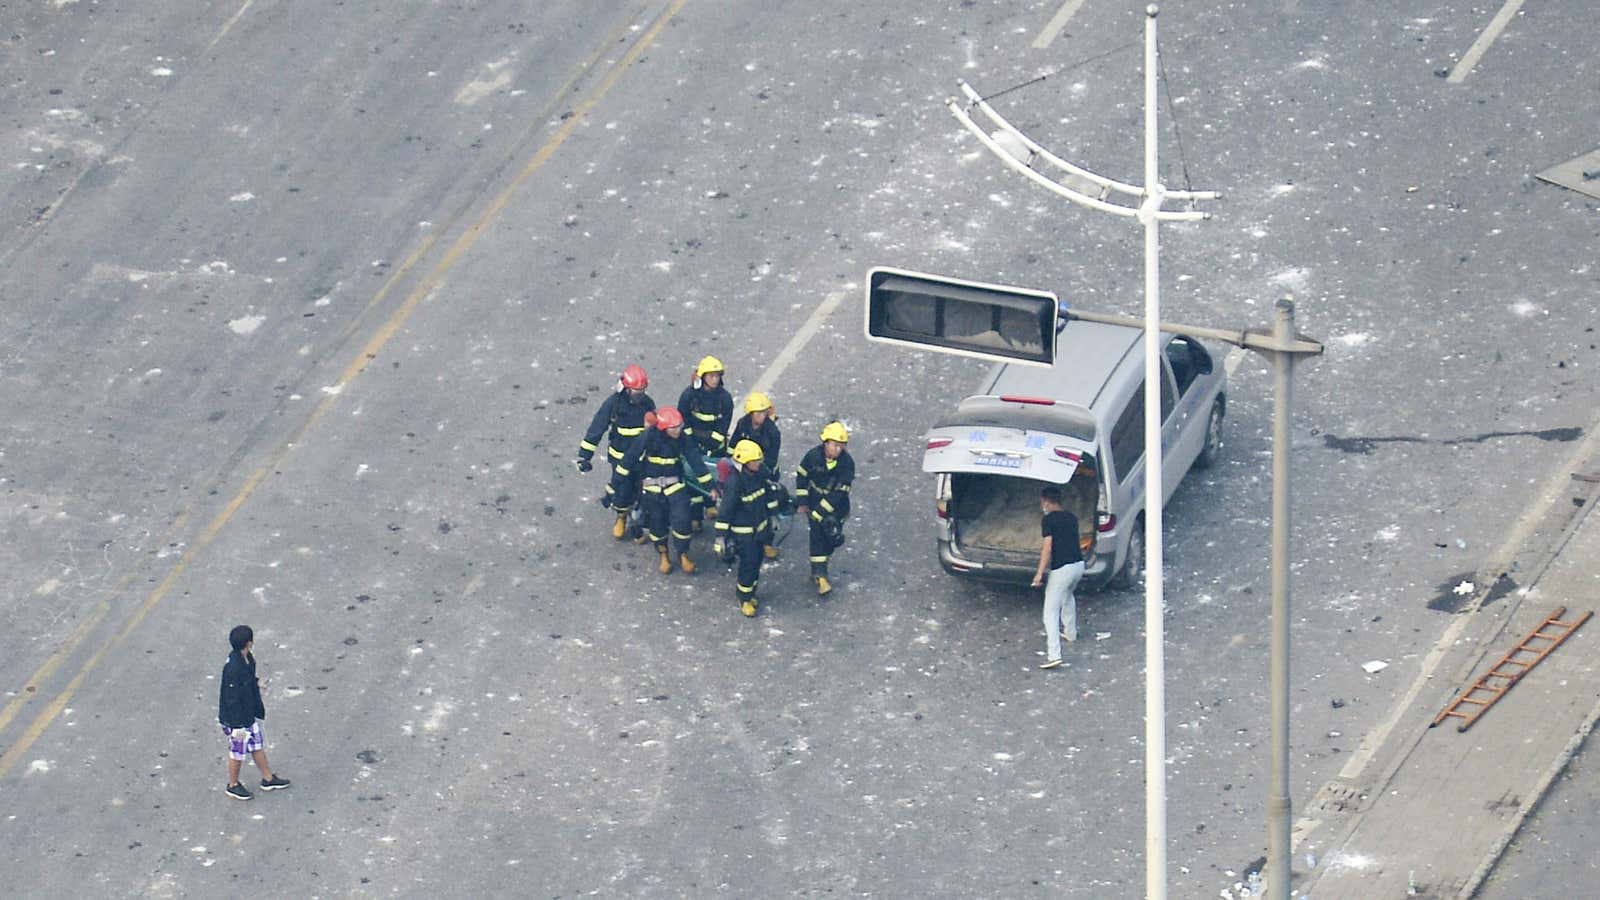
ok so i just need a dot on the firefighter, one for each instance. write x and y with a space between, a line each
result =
760 424
748 504
658 463
822 492
707 409
623 413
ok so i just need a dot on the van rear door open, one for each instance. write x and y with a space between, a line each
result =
1027 437
998 450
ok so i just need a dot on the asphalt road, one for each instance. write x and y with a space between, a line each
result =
305 309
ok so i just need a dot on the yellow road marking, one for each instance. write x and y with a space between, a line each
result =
368 352
54 662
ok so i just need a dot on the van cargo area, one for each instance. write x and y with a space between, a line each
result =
995 518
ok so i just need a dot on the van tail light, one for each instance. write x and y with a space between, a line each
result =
1073 455
942 507
937 443
1034 401
1104 521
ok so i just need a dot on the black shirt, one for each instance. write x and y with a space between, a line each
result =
239 699
1062 528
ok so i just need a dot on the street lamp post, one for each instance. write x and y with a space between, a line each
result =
1086 188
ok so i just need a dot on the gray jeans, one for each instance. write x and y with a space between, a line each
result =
1061 607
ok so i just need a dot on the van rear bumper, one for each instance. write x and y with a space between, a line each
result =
1094 575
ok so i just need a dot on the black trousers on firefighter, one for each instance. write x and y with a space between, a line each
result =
747 547
666 512
822 546
622 490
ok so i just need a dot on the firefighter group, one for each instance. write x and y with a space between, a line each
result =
675 467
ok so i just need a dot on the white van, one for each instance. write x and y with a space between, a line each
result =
1080 424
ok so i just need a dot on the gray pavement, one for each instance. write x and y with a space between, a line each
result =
1445 804
303 311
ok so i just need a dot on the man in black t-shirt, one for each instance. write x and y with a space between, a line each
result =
1060 568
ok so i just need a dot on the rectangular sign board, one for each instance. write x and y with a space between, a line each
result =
965 318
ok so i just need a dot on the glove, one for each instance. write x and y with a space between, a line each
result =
240 734
583 465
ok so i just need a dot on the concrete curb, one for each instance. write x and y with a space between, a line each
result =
1541 788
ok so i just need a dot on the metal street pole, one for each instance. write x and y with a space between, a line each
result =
1155 671
1081 186
1278 802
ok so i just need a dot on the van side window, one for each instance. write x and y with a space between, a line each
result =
1127 436
1188 360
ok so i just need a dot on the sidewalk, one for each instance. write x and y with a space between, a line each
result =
1437 807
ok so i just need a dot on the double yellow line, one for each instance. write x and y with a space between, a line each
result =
367 353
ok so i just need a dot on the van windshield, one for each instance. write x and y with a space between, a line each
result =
1057 418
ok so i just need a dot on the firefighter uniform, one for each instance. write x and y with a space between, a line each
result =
659 464
822 486
748 504
622 414
770 440
707 413
767 437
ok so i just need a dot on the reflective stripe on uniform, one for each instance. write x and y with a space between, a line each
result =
704 417
615 453
585 445
662 460
826 506
630 432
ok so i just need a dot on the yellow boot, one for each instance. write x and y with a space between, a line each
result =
666 564
686 564
769 551
823 587
748 608
621 528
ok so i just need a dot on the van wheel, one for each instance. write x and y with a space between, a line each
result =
1131 575
1212 451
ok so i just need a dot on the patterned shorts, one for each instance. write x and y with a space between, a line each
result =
238 749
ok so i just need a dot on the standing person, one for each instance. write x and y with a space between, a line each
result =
240 710
748 504
822 492
1060 568
707 409
760 424
657 463
623 414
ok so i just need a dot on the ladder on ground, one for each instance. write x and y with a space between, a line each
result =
1473 702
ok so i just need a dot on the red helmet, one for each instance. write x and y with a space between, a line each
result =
668 417
634 378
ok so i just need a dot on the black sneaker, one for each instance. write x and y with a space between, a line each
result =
238 792
275 784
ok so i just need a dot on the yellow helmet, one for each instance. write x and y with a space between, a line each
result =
707 366
746 452
835 431
757 402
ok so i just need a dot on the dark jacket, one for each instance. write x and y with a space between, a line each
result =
660 455
767 437
748 500
239 700
824 486
625 421
706 416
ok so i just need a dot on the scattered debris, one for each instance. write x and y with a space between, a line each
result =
1373 667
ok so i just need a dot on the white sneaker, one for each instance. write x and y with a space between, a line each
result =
1050 664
